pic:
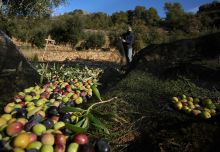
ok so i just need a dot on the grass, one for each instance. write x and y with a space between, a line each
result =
151 124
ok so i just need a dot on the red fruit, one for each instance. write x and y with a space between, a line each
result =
68 88
59 148
32 137
55 118
22 103
60 139
81 138
14 128
64 93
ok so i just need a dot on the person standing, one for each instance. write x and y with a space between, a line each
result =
127 41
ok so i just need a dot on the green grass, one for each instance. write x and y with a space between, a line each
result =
144 103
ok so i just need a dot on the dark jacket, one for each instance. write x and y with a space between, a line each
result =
129 39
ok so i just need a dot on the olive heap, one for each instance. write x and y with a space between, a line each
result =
33 120
202 108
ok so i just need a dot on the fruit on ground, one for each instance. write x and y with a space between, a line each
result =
8 109
18 150
59 148
196 100
22 120
60 139
47 139
179 105
14 128
7 116
175 99
59 125
3 121
22 140
39 129
28 98
81 138
46 148
73 147
34 145
102 146
196 112
79 100
32 137
206 115
183 96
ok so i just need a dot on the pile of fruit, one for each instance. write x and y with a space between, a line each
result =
36 120
202 108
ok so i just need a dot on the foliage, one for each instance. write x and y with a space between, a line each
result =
29 8
65 72
95 40
70 28
35 58
67 29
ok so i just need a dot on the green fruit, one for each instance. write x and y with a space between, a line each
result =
190 99
212 112
30 108
65 99
3 121
207 102
211 106
49 131
40 102
52 100
35 145
36 97
79 100
178 105
73 147
196 100
187 109
29 104
46 148
39 129
28 98
33 111
59 125
70 94
175 99
7 116
183 96
206 115
18 150
21 94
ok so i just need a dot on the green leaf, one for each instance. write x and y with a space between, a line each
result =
75 128
101 127
71 109
97 123
86 123
96 92
79 124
